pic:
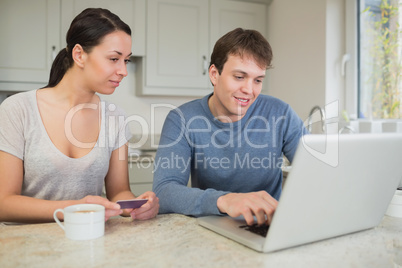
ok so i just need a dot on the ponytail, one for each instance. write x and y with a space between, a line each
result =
87 29
61 64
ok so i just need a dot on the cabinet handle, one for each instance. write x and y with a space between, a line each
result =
204 65
53 52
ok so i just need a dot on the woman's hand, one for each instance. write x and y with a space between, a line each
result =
111 208
147 211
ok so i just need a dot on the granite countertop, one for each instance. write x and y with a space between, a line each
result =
177 241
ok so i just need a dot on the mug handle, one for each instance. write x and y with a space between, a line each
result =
57 219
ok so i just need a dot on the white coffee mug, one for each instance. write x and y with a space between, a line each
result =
83 221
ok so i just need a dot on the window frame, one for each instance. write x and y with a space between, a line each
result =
352 63
350 60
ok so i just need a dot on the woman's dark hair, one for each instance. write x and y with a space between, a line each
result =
242 42
87 29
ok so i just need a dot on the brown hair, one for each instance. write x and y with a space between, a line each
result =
242 42
87 29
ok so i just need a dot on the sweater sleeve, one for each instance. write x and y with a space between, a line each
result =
172 171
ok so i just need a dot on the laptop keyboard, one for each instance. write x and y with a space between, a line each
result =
257 229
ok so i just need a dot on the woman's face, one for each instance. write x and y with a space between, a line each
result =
106 65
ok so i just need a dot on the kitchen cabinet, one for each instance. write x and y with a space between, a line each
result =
180 38
227 15
140 171
33 32
172 39
177 43
29 42
131 12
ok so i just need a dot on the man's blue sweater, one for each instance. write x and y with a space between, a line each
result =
243 156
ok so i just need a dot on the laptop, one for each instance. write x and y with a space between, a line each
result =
338 184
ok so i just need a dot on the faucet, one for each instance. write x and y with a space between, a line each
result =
310 118
351 129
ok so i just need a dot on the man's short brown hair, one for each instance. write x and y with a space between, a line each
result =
240 42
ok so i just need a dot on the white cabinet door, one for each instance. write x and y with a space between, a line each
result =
227 15
29 39
177 45
131 12
180 38
141 175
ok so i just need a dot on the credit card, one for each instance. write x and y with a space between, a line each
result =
132 203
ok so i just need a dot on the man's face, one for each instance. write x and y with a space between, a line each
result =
236 88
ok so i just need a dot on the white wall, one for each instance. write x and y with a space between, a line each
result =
307 40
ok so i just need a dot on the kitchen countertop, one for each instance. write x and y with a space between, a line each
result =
174 240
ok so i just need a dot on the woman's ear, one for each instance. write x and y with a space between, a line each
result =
213 74
79 55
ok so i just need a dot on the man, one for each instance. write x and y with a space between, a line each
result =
231 141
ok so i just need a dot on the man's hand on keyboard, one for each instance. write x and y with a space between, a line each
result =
259 204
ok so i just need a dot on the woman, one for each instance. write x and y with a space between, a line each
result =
61 144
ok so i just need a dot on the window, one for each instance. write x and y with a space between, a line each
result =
377 51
